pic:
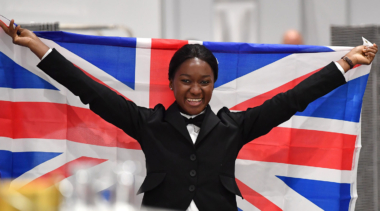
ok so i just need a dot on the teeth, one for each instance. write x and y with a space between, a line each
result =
194 100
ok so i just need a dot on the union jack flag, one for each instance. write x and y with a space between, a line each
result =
307 163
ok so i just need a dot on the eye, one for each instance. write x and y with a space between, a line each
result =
185 80
205 82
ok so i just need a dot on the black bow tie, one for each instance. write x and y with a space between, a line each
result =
195 121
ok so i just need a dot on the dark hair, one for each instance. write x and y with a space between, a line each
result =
189 51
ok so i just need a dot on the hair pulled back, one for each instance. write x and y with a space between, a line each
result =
190 51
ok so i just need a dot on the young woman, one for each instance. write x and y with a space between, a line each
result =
190 161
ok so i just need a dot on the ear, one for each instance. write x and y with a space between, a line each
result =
171 84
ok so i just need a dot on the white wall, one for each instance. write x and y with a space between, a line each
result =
276 17
319 16
188 19
365 12
194 19
313 18
143 17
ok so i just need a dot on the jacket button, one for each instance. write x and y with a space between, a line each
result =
191 188
193 157
193 173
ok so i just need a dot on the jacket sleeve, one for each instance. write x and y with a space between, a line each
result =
260 120
112 107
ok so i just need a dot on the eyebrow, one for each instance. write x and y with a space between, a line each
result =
203 76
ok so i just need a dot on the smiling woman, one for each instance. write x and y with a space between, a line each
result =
192 86
190 165
193 71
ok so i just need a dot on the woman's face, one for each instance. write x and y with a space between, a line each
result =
192 86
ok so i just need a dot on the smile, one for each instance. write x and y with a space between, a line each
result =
194 102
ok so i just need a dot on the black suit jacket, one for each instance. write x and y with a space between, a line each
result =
179 171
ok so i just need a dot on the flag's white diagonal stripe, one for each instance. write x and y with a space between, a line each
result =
29 61
77 150
270 77
94 71
42 169
25 58
261 177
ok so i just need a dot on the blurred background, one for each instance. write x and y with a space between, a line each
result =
258 21
321 22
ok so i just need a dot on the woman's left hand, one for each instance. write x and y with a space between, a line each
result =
359 55
362 54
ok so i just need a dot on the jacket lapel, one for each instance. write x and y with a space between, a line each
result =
209 122
174 118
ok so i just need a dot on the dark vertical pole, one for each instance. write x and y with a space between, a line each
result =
375 101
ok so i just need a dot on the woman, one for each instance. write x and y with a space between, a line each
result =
190 162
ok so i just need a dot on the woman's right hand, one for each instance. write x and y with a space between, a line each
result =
19 36
25 38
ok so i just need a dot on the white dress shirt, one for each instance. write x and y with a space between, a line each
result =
47 53
194 132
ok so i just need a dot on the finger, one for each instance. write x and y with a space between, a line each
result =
370 58
374 50
14 32
11 24
374 46
371 55
18 30
4 27
370 49
365 48
10 27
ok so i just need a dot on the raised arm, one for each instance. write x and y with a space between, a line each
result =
260 120
102 100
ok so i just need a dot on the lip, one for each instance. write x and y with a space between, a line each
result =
194 103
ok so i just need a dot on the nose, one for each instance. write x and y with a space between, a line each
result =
195 89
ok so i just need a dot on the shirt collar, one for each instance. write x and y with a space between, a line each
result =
191 116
